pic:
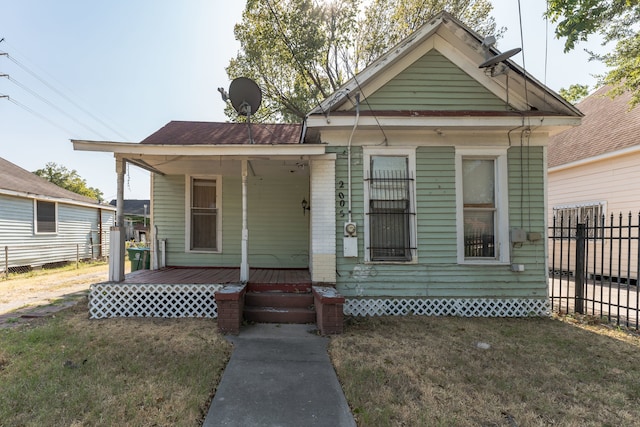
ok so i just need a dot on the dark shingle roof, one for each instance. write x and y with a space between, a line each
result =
607 126
133 206
204 133
14 178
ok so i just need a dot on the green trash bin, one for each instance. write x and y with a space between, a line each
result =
140 258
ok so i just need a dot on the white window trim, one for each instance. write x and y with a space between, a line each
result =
187 213
35 217
502 204
410 153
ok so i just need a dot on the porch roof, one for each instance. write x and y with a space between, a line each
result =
215 133
206 139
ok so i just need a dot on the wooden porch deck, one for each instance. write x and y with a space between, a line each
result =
218 276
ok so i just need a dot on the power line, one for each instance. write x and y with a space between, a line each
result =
287 42
40 116
62 95
51 104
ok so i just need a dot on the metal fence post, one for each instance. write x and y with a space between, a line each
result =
77 256
580 268
6 262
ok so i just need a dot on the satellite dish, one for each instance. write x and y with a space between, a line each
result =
494 60
245 96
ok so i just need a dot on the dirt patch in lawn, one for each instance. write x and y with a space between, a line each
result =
41 293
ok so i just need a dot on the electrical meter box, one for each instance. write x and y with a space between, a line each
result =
350 229
518 235
350 247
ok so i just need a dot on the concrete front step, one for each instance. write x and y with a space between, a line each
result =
279 314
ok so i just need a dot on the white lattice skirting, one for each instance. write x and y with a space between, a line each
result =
464 307
131 300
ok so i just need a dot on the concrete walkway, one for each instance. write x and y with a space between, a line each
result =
279 375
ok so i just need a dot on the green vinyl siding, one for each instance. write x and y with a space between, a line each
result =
278 227
434 83
437 273
278 230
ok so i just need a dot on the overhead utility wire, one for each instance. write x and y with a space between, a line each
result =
61 94
366 101
527 131
287 42
35 113
52 105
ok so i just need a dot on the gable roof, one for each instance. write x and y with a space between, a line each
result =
19 181
214 133
608 126
519 92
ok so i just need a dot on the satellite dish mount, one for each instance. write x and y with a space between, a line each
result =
245 96
492 61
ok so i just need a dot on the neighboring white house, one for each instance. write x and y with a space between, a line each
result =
594 172
42 224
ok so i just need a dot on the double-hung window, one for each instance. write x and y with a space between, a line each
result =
481 186
203 212
46 217
390 206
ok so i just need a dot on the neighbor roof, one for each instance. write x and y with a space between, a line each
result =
213 133
134 206
15 179
608 125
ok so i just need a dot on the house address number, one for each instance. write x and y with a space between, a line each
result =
341 201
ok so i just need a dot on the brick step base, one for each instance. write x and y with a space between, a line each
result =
279 315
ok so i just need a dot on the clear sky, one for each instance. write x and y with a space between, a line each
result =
135 65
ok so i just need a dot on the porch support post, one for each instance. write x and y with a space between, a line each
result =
244 265
116 243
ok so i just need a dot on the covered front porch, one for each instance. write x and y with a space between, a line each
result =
219 200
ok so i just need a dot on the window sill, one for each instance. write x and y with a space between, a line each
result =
484 262
202 251
412 262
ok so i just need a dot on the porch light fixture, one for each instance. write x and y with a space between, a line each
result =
305 206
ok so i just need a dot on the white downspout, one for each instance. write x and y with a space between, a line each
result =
244 264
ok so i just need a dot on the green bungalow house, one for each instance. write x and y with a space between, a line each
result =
417 188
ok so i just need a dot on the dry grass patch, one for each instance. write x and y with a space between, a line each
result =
437 371
70 370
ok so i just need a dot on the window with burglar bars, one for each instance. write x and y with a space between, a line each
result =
567 217
390 209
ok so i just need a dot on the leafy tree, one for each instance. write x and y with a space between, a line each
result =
575 93
301 51
617 22
70 180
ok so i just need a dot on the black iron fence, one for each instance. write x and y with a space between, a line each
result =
594 266
18 259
